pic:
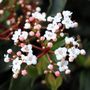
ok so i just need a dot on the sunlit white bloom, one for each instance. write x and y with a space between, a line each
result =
67 22
39 16
50 35
49 18
27 48
73 52
61 53
66 13
63 65
27 26
57 18
24 34
30 59
53 27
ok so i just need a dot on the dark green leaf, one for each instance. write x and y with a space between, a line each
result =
60 42
85 80
42 64
21 83
56 6
53 82
32 71
5 16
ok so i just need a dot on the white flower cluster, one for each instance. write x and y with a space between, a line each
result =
19 35
64 55
38 15
32 30
18 60
56 22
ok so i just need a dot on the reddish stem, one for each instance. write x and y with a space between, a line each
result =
37 47
43 53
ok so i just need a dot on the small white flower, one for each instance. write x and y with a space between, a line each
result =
16 35
57 18
69 40
49 18
73 52
67 22
53 27
6 58
16 65
27 48
31 59
27 25
24 34
63 65
61 53
50 35
66 13
39 16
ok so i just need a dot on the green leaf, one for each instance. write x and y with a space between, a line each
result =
32 71
53 82
42 64
21 83
5 16
60 42
58 82
81 60
87 62
56 6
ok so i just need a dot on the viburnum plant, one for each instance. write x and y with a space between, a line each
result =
41 42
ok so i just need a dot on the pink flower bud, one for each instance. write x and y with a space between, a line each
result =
83 52
15 76
50 44
9 51
31 33
21 38
67 71
37 27
42 38
50 66
19 53
31 19
24 72
37 34
57 73
22 45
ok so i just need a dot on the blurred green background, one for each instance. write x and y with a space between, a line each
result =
80 76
